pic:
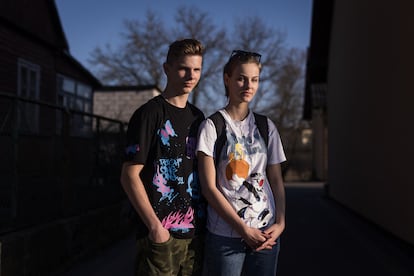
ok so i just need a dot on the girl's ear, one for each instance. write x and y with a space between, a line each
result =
226 79
166 68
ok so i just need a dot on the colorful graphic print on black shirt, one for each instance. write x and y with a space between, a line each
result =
163 138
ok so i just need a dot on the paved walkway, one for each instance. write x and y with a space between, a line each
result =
117 260
322 238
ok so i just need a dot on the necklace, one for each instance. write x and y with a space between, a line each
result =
239 126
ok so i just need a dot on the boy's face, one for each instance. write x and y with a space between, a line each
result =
184 73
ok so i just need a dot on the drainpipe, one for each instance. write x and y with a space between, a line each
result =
15 151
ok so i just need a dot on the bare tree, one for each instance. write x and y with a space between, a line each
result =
252 34
286 106
191 22
139 57
281 80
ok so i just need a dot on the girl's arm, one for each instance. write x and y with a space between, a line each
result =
207 173
274 175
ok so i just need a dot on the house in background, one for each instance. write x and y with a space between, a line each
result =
359 87
120 102
36 64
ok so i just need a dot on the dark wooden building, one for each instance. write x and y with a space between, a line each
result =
60 196
36 63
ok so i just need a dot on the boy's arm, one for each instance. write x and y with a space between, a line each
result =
135 190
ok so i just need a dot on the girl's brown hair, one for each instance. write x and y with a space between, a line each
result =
238 57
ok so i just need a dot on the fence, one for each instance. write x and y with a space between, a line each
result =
55 162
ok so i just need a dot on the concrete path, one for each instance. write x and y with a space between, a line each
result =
117 260
322 238
325 238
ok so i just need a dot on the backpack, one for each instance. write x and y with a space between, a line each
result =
220 124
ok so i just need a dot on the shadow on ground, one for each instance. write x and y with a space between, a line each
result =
325 238
322 238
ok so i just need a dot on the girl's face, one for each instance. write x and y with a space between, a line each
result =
242 85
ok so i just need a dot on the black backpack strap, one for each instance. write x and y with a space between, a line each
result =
220 125
261 123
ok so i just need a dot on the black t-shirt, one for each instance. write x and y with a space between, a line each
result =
163 138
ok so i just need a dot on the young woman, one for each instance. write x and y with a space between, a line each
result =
243 184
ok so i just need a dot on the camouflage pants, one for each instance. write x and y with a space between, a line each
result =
175 257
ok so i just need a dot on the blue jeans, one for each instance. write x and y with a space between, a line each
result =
233 257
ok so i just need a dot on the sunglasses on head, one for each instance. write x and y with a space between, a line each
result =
244 54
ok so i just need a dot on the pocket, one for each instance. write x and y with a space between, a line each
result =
154 258
160 244
159 255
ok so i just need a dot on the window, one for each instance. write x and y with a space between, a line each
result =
28 83
76 96
73 94
306 137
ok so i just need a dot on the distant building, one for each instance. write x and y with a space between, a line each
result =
120 102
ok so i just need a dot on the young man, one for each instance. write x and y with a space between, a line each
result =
160 172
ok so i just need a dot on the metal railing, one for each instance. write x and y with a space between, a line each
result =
55 162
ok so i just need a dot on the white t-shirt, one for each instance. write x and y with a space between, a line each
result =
241 173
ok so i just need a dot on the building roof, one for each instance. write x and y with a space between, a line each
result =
40 22
318 52
112 88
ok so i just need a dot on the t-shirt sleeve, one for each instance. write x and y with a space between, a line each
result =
276 154
207 137
140 135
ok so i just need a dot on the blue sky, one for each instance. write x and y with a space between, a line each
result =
91 23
